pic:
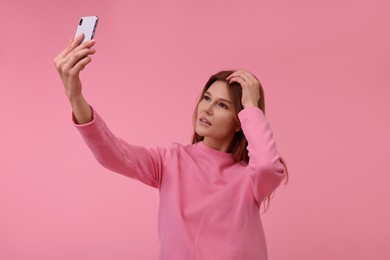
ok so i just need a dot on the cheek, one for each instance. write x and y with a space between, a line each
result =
197 110
199 107
228 121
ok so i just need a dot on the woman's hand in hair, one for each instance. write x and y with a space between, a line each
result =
70 62
250 87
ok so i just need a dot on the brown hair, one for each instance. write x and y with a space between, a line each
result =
238 146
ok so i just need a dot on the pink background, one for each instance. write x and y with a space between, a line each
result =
324 66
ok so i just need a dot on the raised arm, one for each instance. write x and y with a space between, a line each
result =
138 162
69 63
267 171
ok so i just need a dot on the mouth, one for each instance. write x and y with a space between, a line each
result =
204 121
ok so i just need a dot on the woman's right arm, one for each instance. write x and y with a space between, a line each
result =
142 163
69 63
138 162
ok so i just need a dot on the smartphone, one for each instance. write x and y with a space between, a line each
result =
87 25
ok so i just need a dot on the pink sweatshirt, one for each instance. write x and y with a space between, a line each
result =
209 204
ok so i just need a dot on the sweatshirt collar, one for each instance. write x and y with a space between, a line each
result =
204 147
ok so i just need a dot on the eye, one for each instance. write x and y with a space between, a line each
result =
206 98
223 105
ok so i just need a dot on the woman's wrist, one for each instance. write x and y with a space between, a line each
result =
81 109
73 99
249 105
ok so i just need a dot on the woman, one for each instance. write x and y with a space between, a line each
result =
210 191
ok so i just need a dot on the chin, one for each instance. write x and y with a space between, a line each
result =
201 132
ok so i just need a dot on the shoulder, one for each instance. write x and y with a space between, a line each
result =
173 150
179 148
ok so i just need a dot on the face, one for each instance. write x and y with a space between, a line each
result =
216 117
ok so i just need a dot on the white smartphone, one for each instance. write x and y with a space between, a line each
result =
87 25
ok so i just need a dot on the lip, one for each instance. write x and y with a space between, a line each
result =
207 123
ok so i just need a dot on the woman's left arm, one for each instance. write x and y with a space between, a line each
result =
267 171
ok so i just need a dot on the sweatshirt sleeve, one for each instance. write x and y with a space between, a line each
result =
138 162
266 169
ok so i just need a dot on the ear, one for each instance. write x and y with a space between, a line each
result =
238 128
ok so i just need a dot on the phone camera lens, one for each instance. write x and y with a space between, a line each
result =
81 21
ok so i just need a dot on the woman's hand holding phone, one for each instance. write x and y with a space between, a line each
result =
69 63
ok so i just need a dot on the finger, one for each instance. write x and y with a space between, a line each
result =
242 72
237 79
81 64
77 56
84 45
73 43
79 52
231 75
60 64
79 39
235 74
247 76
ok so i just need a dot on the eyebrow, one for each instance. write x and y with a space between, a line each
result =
227 101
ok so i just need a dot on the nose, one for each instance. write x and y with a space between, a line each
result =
208 109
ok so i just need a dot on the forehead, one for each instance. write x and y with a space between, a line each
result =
219 89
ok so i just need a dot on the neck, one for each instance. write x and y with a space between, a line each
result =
217 144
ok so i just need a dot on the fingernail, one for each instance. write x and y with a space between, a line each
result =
92 41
